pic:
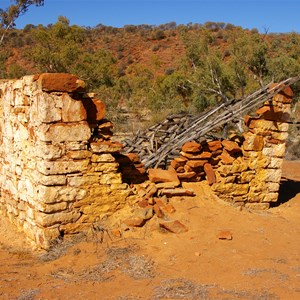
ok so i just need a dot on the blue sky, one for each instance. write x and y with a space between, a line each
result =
273 15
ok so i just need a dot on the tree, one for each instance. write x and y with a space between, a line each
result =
13 12
57 48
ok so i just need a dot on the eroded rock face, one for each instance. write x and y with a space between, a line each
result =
57 176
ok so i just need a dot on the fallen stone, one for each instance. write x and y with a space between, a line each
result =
143 203
210 174
151 191
134 222
105 124
163 185
144 213
151 201
193 156
116 233
173 226
224 235
176 192
188 169
180 170
287 91
169 208
161 203
158 211
159 175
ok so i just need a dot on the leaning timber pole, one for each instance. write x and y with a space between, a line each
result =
216 118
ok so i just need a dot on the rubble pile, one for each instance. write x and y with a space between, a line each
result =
153 199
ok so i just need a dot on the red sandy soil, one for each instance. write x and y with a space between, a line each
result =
261 261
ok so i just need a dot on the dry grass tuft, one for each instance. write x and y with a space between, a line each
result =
64 274
247 295
256 271
180 288
139 267
123 260
28 294
60 247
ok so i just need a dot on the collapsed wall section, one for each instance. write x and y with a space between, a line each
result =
244 171
58 170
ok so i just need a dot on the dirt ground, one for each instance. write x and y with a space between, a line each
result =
261 261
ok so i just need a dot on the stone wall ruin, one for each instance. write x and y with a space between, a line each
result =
245 170
60 171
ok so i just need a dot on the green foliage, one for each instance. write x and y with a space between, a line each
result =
4 55
57 48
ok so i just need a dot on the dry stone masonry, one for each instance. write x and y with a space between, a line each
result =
58 170
245 171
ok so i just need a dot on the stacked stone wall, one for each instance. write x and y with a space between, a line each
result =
58 170
244 171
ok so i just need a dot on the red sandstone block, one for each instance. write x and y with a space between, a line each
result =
95 108
191 147
210 174
73 110
281 98
226 158
231 147
60 82
159 175
186 175
180 170
194 156
135 222
173 226
106 147
196 163
187 168
287 91
273 113
214 145
224 235
158 211
133 157
178 162
170 208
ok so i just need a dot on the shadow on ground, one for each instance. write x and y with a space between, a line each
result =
288 189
